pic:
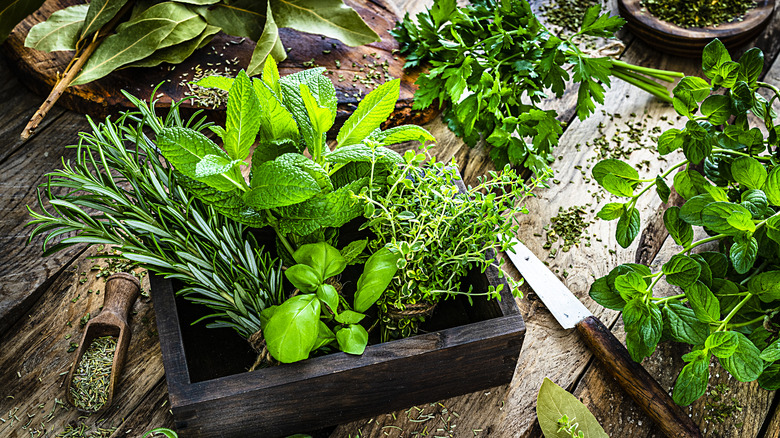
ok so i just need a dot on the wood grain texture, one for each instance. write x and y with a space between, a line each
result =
228 55
672 39
34 359
338 387
635 380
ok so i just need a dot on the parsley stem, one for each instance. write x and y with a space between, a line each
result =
656 73
643 86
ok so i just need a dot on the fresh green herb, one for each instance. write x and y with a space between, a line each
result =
561 415
493 62
92 378
699 13
439 234
729 301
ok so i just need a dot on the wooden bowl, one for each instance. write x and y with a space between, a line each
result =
676 40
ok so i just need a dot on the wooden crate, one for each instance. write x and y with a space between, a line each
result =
478 350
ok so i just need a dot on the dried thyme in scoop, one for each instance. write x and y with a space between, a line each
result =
92 378
699 13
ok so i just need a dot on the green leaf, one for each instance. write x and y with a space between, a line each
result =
713 57
671 140
751 63
607 296
291 332
749 172
378 271
772 186
766 285
681 270
330 18
662 189
279 183
717 109
363 153
745 364
322 257
627 227
99 14
703 302
755 202
681 231
304 277
352 339
185 149
615 168
743 252
689 183
611 211
321 119
604 25
691 211
692 381
772 352
770 378
219 82
277 124
374 109
644 325
242 122
772 228
323 210
683 324
328 295
553 402
630 285
271 76
617 186
717 262
400 134
698 88
727 218
349 317
722 344
353 250
214 165
325 336
242 18
13 12
706 273
268 45
177 53
59 32
135 40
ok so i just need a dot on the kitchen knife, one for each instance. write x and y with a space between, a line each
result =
630 375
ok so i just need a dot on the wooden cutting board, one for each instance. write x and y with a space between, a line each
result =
227 55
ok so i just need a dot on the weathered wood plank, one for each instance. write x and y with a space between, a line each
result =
35 360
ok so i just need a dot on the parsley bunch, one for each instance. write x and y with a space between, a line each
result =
728 301
494 62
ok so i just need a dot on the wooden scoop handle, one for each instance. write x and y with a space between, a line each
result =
636 381
122 289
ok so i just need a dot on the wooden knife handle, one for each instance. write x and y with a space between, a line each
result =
635 380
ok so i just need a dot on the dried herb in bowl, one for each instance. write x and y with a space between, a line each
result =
699 13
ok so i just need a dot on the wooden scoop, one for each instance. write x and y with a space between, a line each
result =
121 291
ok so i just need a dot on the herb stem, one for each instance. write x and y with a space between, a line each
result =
746 323
642 85
741 154
702 242
656 73
734 311
665 299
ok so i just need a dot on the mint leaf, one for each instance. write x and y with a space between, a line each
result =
611 211
185 148
745 364
683 324
703 302
766 286
321 119
714 56
644 325
363 153
627 227
750 66
662 189
772 352
214 165
671 140
681 231
717 109
749 172
400 134
280 183
692 381
681 270
770 378
727 218
242 122
322 210
607 296
743 252
722 344
772 186
370 113
691 211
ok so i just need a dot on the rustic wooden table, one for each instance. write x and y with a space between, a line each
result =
43 299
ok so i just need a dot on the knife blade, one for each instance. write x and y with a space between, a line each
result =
630 375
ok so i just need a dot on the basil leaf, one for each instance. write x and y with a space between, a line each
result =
352 339
378 271
349 317
328 295
304 277
292 331
322 257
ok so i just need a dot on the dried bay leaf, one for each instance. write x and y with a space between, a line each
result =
179 52
59 32
553 402
187 26
14 11
134 40
325 17
198 2
100 12
244 18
